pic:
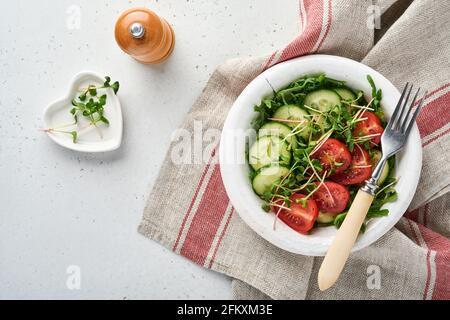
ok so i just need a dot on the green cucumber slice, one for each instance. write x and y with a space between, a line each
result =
376 156
322 100
278 129
268 176
294 113
269 150
325 217
345 94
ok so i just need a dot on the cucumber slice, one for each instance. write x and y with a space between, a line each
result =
266 177
345 94
269 150
376 156
323 100
325 217
278 129
293 112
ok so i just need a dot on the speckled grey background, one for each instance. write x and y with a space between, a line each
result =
60 208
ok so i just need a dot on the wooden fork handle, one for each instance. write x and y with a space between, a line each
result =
345 238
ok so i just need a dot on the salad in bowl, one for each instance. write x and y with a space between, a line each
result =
317 141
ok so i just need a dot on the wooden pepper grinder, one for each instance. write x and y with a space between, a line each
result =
145 36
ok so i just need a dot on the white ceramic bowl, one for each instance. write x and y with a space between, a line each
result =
235 173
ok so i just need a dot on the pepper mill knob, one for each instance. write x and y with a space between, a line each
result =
144 35
137 30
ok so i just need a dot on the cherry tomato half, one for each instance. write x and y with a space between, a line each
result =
370 126
299 218
333 156
331 197
359 170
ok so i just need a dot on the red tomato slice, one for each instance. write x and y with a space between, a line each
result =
298 218
370 126
333 155
331 197
359 171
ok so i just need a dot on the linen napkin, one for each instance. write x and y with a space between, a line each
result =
189 212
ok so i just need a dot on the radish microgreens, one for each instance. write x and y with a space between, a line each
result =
90 106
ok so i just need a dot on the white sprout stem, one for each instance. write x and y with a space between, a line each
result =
370 102
59 127
361 110
362 152
329 192
360 113
98 130
303 186
353 121
287 120
284 178
276 218
280 206
312 109
322 180
368 136
92 86
293 132
312 166
322 140
362 107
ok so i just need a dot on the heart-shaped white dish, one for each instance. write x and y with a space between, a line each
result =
89 139
235 172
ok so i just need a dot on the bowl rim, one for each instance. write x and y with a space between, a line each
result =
229 170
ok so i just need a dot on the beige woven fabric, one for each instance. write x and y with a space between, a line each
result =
188 210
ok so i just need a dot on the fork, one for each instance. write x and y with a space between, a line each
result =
393 139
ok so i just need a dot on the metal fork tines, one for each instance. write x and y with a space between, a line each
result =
396 132
401 122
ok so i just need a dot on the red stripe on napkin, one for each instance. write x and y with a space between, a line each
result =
222 234
306 41
434 116
413 232
309 40
188 212
413 215
441 245
329 17
436 137
206 220
269 61
432 93
427 284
